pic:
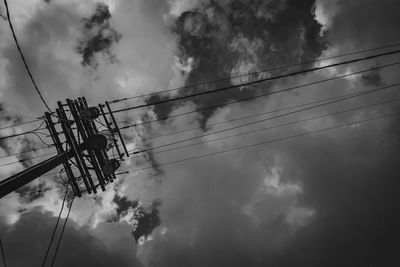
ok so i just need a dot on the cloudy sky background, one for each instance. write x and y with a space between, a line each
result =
323 200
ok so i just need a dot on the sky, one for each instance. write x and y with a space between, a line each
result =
323 199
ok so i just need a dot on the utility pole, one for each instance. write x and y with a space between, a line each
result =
85 138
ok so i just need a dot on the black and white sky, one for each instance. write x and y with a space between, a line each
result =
327 199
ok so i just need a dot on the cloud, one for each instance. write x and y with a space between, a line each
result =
237 209
142 219
30 235
221 210
272 205
372 78
353 191
49 34
146 54
100 37
360 24
324 199
235 37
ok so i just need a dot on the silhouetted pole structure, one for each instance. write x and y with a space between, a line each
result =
84 146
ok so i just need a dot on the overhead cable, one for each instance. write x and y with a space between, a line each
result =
295 73
266 119
280 139
274 126
19 124
3 253
24 133
252 115
259 72
55 228
62 232
22 56
261 95
27 159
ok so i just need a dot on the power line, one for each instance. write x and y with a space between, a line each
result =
62 232
28 151
22 56
19 124
24 133
255 115
16 135
19 134
27 159
24 152
262 143
262 95
269 118
295 73
48 174
259 72
55 227
276 126
37 191
2 253
231 102
340 98
280 67
148 122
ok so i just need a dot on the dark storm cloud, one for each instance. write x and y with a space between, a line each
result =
363 23
372 78
354 185
235 37
146 219
26 243
350 177
123 204
99 37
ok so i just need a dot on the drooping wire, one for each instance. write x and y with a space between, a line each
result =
62 232
258 72
22 56
261 95
60 175
287 75
40 138
55 227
